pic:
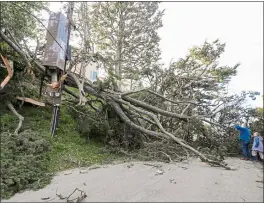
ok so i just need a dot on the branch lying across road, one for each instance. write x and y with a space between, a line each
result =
165 133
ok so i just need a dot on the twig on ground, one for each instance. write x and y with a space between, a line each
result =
50 199
153 165
59 195
45 198
80 198
94 167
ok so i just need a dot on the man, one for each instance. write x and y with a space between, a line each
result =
244 136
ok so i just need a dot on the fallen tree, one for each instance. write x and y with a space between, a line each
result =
146 111
188 98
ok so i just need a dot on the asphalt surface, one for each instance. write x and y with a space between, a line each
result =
136 182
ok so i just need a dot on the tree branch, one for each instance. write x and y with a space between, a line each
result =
82 100
13 110
177 140
156 109
124 118
16 48
10 71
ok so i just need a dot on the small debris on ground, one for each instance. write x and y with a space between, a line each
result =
159 172
94 167
172 181
45 198
130 165
185 168
153 165
84 171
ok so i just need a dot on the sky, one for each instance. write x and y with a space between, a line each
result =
238 24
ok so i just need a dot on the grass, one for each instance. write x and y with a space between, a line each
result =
69 148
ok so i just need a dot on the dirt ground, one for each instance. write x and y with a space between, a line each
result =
191 181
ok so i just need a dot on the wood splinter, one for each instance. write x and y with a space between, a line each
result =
9 70
32 101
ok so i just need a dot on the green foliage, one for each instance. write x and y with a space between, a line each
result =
256 123
17 18
208 53
233 146
105 127
29 159
124 33
24 162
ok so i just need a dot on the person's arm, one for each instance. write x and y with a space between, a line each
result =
238 127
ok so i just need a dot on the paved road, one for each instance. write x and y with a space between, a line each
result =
193 182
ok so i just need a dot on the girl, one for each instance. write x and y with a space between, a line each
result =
257 147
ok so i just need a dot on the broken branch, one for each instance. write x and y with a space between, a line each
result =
9 70
13 110
32 101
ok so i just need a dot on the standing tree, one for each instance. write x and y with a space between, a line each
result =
125 34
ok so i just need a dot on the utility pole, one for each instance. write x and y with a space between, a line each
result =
56 107
57 54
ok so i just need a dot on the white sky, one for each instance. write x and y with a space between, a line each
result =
238 24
